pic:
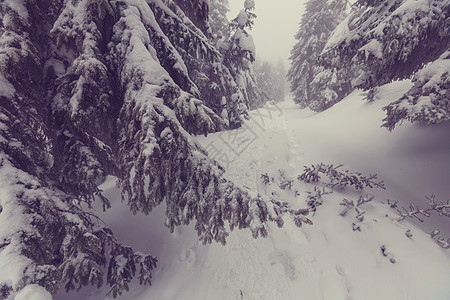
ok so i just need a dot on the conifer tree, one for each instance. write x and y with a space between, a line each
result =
204 75
271 79
390 40
428 101
219 23
280 81
239 54
265 78
45 235
383 41
315 85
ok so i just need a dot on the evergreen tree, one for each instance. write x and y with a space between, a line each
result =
92 88
313 84
390 40
45 234
239 54
197 12
384 41
265 78
218 10
428 101
271 79
280 81
194 64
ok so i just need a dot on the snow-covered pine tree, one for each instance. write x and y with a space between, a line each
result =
218 21
265 78
204 74
239 54
271 79
280 81
391 40
315 85
92 88
428 101
46 238
198 13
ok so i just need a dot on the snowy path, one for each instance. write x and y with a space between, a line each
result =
327 260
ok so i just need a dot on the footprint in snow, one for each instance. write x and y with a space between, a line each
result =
340 270
189 256
286 261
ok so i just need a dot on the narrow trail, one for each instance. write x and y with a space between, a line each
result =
264 266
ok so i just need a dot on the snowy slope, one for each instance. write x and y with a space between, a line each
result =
327 260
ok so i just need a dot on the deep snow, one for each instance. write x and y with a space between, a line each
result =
327 260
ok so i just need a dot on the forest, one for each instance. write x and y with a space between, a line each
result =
157 119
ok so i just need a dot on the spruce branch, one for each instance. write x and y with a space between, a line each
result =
443 209
281 208
5 291
314 198
350 205
285 183
440 240
265 178
339 178
415 212
300 217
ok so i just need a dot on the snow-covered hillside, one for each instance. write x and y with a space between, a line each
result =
384 259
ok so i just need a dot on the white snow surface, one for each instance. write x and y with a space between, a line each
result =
373 47
33 292
242 18
19 7
246 42
326 260
6 88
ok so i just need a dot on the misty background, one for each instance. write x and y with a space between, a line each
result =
275 27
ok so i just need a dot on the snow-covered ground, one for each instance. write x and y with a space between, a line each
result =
326 260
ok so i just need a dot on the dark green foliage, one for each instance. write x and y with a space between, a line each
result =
282 184
339 178
381 48
441 208
94 88
198 12
285 183
56 242
314 198
372 95
122 268
415 212
265 178
205 76
238 52
349 205
440 240
5 291
383 41
218 21
271 79
300 219
428 101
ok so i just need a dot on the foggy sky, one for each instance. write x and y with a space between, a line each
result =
275 26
